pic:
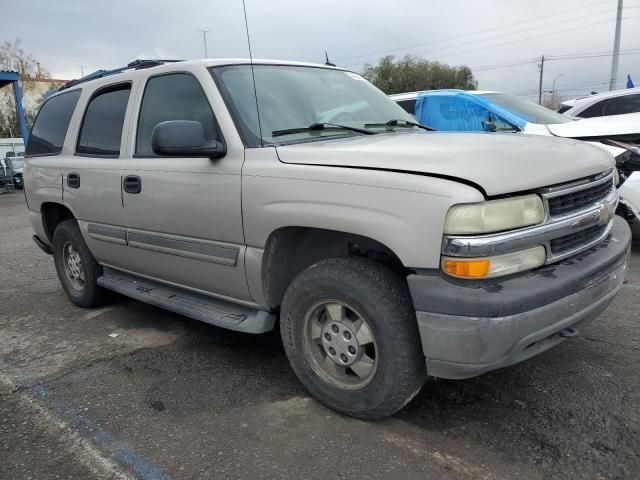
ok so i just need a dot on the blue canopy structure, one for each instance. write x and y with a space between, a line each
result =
11 78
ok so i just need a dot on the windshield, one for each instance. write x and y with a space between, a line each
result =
525 109
293 97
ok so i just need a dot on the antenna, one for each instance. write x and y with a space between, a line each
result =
253 75
326 60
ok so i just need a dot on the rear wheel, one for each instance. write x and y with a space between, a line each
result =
77 270
351 335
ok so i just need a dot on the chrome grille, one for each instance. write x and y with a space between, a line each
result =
569 243
578 200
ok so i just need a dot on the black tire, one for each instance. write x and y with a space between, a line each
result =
383 300
90 294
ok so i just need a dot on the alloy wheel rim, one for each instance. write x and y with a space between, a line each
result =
340 345
73 267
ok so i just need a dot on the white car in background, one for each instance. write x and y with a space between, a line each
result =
485 111
617 102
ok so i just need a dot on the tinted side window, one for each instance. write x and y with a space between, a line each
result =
52 123
177 96
595 110
101 129
622 105
409 106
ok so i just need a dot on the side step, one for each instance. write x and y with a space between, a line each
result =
206 309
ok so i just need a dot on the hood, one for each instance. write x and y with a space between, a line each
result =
497 163
613 125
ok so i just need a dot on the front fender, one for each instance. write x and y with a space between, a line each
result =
404 212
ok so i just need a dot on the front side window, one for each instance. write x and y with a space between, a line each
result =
409 106
101 130
595 110
296 97
52 123
177 96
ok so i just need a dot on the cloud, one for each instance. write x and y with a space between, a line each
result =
66 34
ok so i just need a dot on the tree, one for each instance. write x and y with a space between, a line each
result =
14 58
411 74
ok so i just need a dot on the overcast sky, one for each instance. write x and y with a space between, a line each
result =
64 34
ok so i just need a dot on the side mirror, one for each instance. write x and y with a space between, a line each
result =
184 138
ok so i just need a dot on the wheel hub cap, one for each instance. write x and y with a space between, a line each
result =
340 344
73 266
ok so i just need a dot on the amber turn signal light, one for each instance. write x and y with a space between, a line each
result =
467 268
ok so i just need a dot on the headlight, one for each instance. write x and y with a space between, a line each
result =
494 215
495 266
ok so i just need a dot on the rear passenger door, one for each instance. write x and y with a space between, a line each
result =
184 217
91 177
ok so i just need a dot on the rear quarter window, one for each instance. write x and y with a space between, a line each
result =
51 124
101 129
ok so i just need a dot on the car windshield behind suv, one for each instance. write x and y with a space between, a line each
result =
526 110
296 97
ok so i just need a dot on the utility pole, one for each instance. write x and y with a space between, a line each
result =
82 69
616 49
541 67
204 40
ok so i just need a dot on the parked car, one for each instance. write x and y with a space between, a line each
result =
483 111
617 102
6 178
224 191
17 168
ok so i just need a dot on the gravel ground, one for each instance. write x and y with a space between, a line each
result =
169 397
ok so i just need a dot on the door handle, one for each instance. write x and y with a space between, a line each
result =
73 180
132 184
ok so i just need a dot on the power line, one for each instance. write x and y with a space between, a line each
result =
514 33
548 58
477 32
528 38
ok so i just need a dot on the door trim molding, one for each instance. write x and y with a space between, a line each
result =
184 247
107 233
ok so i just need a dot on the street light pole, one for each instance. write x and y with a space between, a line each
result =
553 88
204 41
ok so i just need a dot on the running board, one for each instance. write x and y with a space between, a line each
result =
201 307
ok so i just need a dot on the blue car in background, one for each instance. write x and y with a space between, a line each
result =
477 111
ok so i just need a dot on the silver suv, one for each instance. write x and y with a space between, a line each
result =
239 194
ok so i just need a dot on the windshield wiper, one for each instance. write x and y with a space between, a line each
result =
397 122
320 126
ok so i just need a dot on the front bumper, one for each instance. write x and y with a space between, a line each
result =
469 328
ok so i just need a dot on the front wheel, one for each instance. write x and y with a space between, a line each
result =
350 333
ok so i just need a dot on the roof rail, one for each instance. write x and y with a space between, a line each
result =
137 64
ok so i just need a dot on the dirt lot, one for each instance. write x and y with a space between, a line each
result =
169 397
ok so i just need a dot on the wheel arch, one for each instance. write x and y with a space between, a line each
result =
290 250
52 214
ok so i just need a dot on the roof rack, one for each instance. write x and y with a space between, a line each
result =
137 64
